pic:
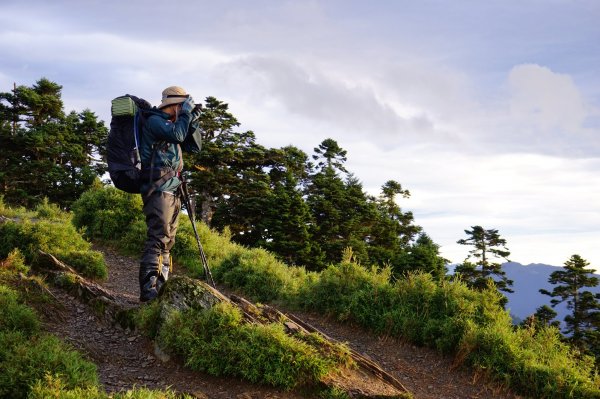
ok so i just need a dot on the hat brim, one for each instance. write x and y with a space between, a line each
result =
171 101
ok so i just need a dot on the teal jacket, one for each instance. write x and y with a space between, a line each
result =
169 139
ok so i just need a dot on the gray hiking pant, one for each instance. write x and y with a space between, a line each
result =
162 212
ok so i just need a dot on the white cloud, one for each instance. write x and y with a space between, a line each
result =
352 108
545 206
541 111
545 100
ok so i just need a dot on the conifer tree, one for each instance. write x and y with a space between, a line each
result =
543 317
487 246
287 216
570 286
241 186
210 174
339 208
46 153
393 230
423 255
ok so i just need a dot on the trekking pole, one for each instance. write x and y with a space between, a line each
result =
190 209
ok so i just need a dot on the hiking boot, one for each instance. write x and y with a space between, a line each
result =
148 295
148 280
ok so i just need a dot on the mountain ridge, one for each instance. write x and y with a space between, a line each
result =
527 281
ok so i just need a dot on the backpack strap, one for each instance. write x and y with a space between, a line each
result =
155 185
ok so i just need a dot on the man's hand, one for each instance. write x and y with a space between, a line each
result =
188 105
196 112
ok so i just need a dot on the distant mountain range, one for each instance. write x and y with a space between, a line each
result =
527 281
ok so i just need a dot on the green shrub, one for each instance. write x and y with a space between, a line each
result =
28 360
47 210
14 263
256 272
340 290
216 247
15 316
53 387
26 355
147 318
107 213
218 342
8 211
89 263
537 362
58 238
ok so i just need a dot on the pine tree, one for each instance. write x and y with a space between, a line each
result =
543 317
339 208
210 174
393 230
241 186
423 255
46 153
287 219
325 196
583 321
487 245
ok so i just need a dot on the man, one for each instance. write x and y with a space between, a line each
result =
165 132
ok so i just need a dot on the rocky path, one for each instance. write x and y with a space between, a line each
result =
125 359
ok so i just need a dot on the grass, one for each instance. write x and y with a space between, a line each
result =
219 342
37 365
49 229
216 341
27 354
52 387
445 315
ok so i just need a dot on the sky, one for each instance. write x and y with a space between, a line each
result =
488 112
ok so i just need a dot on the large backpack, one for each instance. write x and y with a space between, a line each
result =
124 162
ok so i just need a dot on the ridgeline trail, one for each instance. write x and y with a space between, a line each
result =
126 359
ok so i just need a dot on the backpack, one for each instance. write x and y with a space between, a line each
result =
123 156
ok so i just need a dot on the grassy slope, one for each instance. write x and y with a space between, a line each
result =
448 316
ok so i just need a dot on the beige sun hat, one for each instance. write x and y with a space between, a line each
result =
173 95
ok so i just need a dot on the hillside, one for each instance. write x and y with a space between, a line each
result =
391 321
126 359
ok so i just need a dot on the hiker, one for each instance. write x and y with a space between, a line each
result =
173 127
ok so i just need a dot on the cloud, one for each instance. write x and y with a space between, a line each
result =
353 109
536 201
545 100
541 112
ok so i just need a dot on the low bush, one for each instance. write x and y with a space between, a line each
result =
49 229
53 387
14 263
14 316
58 238
106 213
50 211
26 354
218 342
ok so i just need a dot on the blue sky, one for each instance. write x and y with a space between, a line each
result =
487 111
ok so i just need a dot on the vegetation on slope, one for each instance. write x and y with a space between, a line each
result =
446 315
214 341
49 229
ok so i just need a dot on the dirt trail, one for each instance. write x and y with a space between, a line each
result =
125 359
